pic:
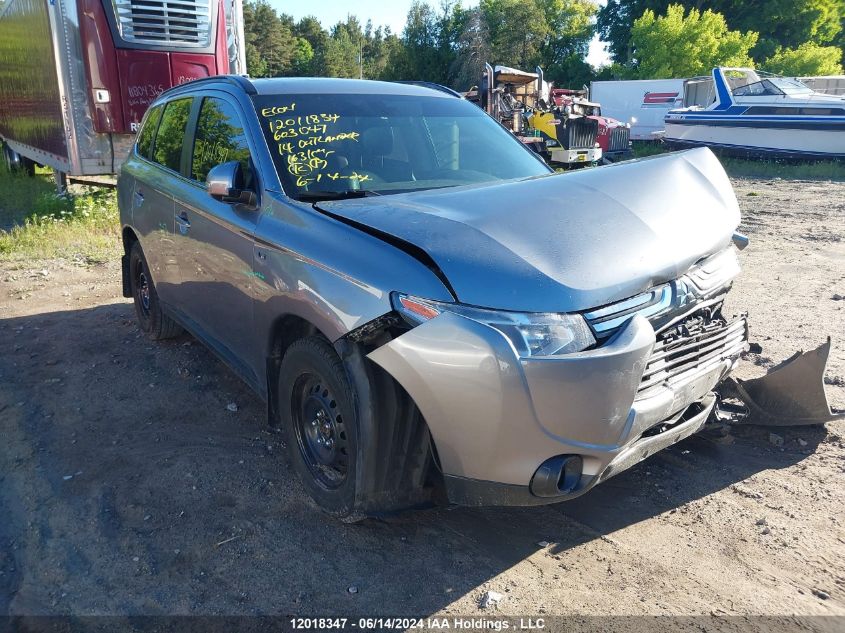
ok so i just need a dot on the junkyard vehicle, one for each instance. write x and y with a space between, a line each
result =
76 76
420 300
614 137
521 102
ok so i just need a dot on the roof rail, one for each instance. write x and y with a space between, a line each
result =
433 86
240 81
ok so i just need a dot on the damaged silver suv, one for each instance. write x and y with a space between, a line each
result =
421 301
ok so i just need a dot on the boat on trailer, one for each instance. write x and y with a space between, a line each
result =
753 113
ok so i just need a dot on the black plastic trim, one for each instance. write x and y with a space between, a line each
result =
238 81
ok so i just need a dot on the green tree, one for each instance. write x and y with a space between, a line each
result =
681 44
571 27
615 21
342 48
472 51
786 23
806 60
430 43
269 40
518 30
310 30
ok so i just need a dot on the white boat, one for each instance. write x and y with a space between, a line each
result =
755 113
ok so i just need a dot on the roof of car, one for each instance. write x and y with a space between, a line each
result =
317 85
324 85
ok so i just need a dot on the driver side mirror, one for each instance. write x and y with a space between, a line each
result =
225 182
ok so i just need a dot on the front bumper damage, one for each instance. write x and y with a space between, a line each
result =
791 394
517 431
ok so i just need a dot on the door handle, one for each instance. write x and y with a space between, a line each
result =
139 199
183 222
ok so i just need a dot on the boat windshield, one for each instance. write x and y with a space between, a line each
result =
750 83
764 88
791 86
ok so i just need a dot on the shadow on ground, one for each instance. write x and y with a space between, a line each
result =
132 489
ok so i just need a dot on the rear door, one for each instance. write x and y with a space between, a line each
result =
215 239
159 149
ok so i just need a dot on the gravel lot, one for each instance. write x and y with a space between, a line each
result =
128 487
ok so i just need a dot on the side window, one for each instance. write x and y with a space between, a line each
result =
167 149
220 138
144 142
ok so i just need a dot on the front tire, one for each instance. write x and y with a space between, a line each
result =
151 319
319 419
374 453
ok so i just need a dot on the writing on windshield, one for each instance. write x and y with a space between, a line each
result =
307 142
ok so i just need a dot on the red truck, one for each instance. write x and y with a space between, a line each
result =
613 136
76 76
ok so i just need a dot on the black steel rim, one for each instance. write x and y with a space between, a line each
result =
320 431
143 289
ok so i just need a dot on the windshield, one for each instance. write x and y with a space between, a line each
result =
386 143
790 86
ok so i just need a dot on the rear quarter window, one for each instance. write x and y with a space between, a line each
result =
144 143
167 148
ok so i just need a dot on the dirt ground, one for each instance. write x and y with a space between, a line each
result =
128 487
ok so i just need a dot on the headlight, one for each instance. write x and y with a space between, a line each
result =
530 333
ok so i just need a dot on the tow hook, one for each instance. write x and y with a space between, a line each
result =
791 394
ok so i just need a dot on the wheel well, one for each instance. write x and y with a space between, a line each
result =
285 331
129 238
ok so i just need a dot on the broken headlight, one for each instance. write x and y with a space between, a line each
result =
530 333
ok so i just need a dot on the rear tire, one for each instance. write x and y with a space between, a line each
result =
151 319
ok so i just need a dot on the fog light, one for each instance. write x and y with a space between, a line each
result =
557 476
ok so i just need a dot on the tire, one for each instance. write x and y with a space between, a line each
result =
17 164
355 438
321 424
151 319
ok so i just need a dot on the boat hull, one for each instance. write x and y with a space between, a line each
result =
776 142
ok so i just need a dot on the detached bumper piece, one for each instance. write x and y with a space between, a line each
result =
791 394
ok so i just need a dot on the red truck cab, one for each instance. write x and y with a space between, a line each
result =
613 136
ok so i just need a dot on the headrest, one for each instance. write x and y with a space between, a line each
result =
378 141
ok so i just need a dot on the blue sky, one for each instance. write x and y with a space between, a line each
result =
387 12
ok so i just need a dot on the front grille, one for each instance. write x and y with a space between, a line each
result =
706 281
579 133
163 22
606 321
694 346
619 138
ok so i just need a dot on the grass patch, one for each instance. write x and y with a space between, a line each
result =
787 170
36 223
760 167
641 149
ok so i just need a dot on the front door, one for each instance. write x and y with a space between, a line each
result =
215 240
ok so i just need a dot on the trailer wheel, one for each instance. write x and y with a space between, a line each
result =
16 163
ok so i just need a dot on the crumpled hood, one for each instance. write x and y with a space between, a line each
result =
565 242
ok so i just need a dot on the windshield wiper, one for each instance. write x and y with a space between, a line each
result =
315 196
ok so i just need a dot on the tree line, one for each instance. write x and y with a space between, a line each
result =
448 43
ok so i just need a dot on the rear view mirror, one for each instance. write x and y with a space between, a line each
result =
225 182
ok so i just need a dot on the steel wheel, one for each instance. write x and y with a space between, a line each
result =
320 431
152 321
142 288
